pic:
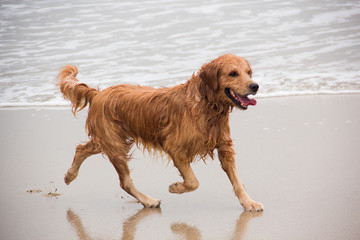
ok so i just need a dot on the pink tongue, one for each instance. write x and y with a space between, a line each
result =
246 101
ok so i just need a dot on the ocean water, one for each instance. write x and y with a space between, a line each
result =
294 47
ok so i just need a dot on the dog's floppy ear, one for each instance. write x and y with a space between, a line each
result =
209 74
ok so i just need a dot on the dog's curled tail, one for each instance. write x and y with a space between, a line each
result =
78 93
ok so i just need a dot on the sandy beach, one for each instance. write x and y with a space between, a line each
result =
298 156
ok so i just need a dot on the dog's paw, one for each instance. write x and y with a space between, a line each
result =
252 206
69 177
181 187
152 203
178 187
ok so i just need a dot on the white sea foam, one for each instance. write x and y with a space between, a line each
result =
295 47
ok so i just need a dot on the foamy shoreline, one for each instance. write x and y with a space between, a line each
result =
293 46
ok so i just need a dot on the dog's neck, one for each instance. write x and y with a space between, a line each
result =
209 97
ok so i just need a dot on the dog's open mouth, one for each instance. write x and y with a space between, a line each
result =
241 102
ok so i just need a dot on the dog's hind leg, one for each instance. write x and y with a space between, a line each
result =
82 152
190 182
126 183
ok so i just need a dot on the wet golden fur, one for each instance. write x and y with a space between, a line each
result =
185 121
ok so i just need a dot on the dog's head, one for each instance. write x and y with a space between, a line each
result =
229 76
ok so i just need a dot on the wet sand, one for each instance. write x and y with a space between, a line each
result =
299 156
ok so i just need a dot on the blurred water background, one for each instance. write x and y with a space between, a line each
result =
295 47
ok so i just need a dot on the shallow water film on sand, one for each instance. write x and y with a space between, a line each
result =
295 47
303 166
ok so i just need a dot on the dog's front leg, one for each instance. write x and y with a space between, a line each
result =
227 159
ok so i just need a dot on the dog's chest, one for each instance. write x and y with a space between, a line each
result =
198 136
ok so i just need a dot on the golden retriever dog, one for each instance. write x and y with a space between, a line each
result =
186 122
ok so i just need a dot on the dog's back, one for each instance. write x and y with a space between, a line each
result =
128 113
154 118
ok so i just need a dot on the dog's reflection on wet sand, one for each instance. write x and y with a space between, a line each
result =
183 229
188 232
242 224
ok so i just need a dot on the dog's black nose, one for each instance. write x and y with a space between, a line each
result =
254 87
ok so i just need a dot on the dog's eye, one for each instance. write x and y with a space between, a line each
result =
249 73
233 74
